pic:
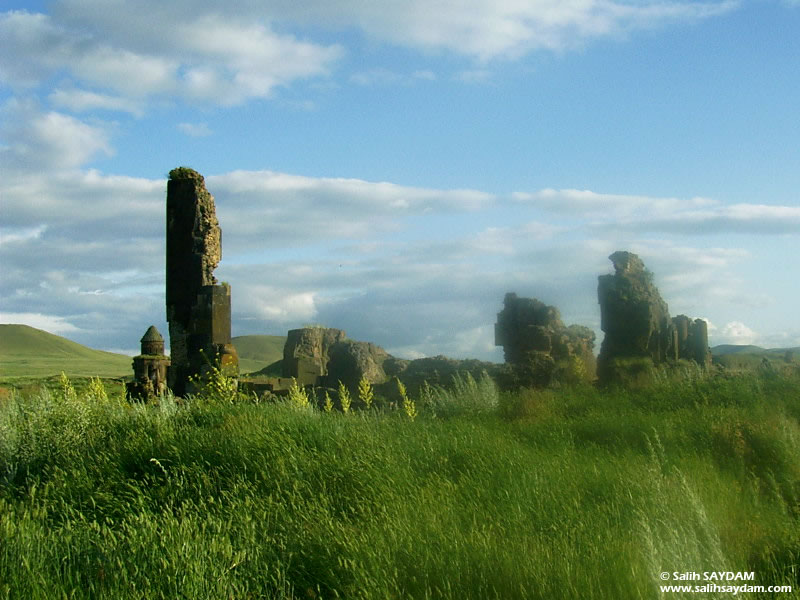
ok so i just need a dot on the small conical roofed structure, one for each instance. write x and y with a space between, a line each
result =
149 368
152 342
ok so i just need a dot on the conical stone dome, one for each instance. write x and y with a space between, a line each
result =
152 342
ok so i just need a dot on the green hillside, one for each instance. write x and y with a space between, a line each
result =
724 349
258 351
751 358
29 352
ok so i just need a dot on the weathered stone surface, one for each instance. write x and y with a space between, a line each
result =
149 368
351 361
691 339
536 343
323 356
306 353
633 315
152 342
198 310
637 323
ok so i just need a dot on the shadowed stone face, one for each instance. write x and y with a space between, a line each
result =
636 319
535 339
632 313
198 310
194 241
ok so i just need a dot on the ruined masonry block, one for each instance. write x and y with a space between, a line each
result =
198 310
637 323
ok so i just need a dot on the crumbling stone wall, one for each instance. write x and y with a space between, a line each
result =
306 353
637 323
324 356
633 315
198 310
691 339
536 342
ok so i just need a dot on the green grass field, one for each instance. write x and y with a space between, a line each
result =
28 352
570 493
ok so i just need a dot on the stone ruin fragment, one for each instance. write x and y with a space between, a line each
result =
536 343
637 323
198 308
149 368
324 356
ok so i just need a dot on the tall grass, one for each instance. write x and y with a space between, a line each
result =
575 493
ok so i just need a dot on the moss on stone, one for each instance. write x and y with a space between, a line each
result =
184 173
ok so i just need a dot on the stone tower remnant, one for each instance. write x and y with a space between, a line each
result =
636 319
324 356
198 309
692 339
536 341
149 368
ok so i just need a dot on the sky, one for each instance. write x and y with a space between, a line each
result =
393 168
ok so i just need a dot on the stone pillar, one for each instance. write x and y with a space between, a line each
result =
697 343
633 315
198 310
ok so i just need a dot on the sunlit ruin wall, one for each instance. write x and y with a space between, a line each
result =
538 346
198 309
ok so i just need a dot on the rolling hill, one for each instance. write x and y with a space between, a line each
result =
29 352
724 349
258 351
750 358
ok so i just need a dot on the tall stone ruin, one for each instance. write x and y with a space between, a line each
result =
198 309
637 323
536 342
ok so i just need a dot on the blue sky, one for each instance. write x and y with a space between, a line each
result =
393 168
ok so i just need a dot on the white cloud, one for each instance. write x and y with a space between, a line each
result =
194 51
277 209
486 29
10 235
50 140
85 101
195 129
735 332
478 76
275 304
377 77
689 216
196 56
51 323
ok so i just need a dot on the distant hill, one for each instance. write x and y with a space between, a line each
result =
29 352
724 349
750 358
258 351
